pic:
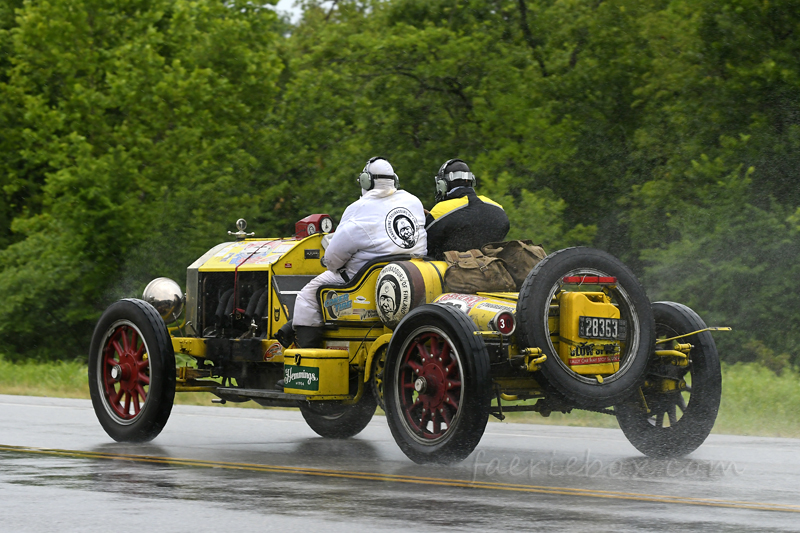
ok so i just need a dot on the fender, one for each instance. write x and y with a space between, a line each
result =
379 343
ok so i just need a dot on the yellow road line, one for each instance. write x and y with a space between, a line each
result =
443 482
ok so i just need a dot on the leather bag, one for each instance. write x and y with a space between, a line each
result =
519 257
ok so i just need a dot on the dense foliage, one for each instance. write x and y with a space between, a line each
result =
134 133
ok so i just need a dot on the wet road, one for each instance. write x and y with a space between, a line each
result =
229 469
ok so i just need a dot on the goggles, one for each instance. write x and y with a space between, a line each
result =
460 175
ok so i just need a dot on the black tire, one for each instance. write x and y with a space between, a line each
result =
132 371
533 309
687 423
456 384
337 421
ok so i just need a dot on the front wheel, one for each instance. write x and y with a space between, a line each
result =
678 405
437 386
337 421
132 371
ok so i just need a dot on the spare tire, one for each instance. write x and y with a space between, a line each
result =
539 299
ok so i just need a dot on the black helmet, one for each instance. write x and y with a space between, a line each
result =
453 173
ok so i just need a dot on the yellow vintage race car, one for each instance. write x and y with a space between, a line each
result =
580 334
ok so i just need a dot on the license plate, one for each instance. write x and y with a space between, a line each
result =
592 327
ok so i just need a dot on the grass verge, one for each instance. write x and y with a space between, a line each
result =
68 379
754 400
757 402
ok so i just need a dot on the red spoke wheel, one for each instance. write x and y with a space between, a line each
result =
430 384
437 387
680 402
125 370
132 371
538 309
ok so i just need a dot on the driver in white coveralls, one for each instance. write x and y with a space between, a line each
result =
384 221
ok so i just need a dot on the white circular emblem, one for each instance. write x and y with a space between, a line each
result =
311 229
401 226
393 294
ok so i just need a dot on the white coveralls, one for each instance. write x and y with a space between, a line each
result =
384 221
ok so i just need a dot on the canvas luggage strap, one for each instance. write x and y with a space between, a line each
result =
471 272
468 259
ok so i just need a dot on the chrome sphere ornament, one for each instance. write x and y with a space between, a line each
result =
241 225
166 296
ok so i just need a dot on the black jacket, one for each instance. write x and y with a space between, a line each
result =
464 221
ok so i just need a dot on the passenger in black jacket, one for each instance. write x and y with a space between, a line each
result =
461 220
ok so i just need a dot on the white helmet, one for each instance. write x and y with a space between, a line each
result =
376 168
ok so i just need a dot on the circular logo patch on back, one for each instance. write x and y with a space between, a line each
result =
401 227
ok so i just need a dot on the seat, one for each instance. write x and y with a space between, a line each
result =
358 291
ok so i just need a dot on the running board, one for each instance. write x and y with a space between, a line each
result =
277 398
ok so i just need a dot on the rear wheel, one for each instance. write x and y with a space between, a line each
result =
132 371
336 421
437 387
538 314
678 405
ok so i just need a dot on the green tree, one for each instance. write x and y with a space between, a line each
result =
723 84
11 203
133 133
139 125
715 220
419 82
736 264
